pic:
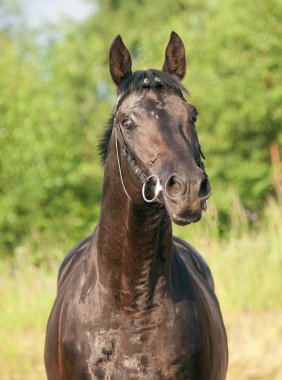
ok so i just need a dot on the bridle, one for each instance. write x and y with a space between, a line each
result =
135 168
119 140
132 163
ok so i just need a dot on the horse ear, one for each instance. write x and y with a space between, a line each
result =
175 62
120 61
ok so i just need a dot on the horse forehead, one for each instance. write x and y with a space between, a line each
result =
153 102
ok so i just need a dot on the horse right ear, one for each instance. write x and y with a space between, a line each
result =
120 61
175 62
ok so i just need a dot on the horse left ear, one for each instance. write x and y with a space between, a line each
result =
120 61
175 61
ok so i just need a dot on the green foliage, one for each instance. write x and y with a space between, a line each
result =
49 170
56 97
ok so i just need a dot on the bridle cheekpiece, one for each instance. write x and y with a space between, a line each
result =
119 140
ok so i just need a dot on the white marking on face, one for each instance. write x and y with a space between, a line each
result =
153 113
131 363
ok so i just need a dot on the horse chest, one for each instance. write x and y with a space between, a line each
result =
160 344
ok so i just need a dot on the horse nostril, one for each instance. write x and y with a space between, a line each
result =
204 188
175 186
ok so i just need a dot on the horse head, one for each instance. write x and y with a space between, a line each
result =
155 129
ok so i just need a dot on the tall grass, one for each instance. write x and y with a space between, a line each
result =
27 294
246 264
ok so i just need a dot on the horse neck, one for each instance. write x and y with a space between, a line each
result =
134 244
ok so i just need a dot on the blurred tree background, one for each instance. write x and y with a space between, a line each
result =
56 96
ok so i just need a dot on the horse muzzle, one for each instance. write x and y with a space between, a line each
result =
186 197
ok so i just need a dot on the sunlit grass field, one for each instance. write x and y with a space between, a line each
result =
247 267
26 297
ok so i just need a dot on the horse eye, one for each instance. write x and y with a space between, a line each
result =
128 123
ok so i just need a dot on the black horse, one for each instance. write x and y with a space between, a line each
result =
133 301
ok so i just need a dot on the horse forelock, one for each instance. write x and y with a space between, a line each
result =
152 79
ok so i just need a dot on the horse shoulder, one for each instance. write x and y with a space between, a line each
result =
190 255
72 257
65 323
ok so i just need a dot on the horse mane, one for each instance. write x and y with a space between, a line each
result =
152 79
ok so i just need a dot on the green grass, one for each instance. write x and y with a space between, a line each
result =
246 264
26 298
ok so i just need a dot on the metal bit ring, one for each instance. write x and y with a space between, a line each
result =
158 188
